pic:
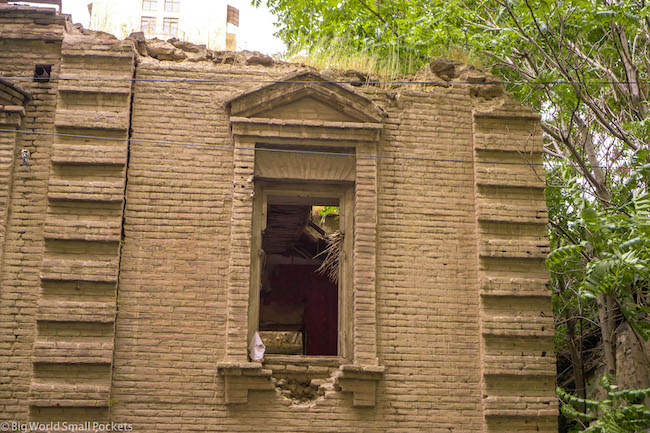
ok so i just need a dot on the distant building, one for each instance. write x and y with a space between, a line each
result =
213 23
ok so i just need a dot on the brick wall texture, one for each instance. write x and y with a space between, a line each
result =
121 278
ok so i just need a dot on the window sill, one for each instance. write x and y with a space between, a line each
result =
359 380
326 361
240 377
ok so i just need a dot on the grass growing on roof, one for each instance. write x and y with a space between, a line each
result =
396 64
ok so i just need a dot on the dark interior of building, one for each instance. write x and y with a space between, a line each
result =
298 298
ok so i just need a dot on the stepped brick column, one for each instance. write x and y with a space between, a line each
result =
518 364
73 348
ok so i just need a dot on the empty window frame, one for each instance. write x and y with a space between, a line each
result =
148 24
301 276
232 15
232 25
170 26
172 5
149 5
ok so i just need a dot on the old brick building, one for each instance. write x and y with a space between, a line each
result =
164 212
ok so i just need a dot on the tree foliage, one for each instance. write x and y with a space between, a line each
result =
620 412
410 28
607 249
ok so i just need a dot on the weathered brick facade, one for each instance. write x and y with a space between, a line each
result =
128 261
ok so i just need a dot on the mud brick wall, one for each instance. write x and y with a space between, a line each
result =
426 295
27 38
176 253
173 279
117 253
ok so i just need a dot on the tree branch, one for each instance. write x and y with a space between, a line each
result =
365 5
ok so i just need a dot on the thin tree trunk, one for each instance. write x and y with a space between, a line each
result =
606 305
600 181
576 361
606 333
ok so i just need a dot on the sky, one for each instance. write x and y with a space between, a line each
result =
255 24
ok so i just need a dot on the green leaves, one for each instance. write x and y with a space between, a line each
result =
597 249
577 403
560 257
613 246
620 412
597 279
589 218
417 30
327 210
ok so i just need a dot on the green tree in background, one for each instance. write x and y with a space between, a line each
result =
415 28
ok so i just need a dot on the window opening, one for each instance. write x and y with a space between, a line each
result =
299 291
149 5
232 15
172 5
42 73
148 24
170 26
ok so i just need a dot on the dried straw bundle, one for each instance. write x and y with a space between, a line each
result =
330 265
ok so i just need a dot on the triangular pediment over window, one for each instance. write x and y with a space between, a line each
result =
305 96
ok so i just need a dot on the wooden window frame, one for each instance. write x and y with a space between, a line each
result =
232 15
266 191
167 26
149 5
174 5
149 28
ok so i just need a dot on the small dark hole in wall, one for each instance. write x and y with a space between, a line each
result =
42 73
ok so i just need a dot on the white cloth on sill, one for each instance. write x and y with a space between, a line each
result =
256 348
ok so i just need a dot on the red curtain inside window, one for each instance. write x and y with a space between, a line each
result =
300 284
